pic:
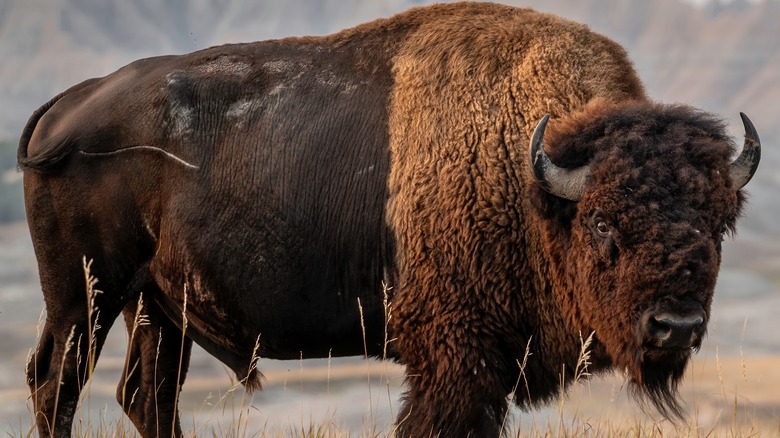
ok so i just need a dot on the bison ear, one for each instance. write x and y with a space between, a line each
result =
564 183
744 166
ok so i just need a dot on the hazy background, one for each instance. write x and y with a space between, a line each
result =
721 56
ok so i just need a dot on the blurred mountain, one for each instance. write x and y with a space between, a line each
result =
721 56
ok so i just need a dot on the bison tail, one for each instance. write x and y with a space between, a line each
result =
49 156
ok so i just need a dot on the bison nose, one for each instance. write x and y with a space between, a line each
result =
670 330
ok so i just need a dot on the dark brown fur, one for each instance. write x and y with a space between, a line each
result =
397 150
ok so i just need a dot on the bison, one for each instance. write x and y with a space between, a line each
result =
501 171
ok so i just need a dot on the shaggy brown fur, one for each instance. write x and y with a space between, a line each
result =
276 183
488 260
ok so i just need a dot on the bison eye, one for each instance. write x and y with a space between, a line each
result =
602 229
600 226
604 234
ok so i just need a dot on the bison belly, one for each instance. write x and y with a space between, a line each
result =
280 232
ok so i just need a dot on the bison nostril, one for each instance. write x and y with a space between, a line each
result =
658 330
668 330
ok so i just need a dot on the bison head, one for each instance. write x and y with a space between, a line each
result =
633 220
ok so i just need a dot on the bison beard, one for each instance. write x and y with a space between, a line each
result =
280 182
660 374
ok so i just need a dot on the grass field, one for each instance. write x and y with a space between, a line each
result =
727 392
733 396
724 397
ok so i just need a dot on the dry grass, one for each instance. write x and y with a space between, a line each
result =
735 397
600 407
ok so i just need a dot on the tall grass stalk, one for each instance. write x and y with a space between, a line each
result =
156 387
92 310
365 353
252 366
300 381
513 395
387 307
184 322
92 327
32 360
742 352
583 362
561 395
330 356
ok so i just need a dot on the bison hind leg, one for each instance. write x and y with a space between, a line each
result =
70 344
156 366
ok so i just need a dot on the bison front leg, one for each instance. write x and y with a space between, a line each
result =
156 365
456 388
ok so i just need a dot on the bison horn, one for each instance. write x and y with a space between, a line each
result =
564 183
744 166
